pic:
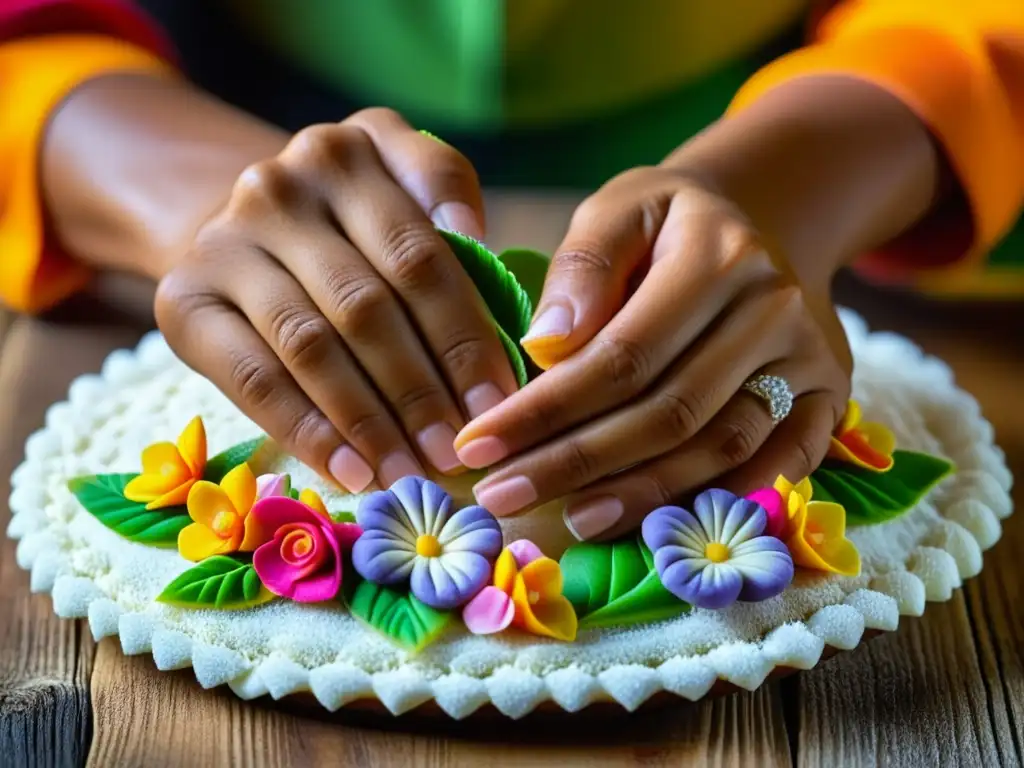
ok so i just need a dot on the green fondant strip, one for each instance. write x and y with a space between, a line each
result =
506 300
219 582
615 583
397 615
876 497
227 460
103 497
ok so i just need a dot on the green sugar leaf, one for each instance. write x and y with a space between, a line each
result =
102 496
614 583
223 583
877 497
508 303
227 460
529 268
397 615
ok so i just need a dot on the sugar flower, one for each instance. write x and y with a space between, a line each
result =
301 557
170 470
411 534
220 514
816 531
281 485
776 514
717 554
527 593
866 444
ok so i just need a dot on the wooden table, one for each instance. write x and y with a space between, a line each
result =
946 689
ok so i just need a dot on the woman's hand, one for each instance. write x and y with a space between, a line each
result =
320 299
651 404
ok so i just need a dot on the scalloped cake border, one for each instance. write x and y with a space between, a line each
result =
932 571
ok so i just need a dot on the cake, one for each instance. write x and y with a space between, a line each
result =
539 618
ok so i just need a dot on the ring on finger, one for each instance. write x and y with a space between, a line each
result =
775 392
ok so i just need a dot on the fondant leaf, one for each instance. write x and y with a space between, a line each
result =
505 298
397 615
224 583
343 517
103 497
615 583
876 497
529 268
225 461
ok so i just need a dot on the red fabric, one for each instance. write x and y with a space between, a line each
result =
116 18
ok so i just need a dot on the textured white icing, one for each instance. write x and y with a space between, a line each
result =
281 647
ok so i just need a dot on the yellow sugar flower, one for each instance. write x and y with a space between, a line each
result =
815 531
866 444
169 471
220 513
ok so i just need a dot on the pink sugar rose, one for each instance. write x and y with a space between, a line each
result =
301 559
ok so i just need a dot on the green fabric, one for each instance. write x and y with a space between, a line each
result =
875 497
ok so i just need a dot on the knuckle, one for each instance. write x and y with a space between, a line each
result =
327 145
655 490
303 336
807 454
742 438
358 302
377 116
254 380
462 354
678 415
627 366
582 258
306 430
413 257
425 398
367 428
577 465
261 187
178 299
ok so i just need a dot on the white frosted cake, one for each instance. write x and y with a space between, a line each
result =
253 638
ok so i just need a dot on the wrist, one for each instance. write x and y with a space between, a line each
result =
132 165
826 168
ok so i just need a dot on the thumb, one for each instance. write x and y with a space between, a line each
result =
587 283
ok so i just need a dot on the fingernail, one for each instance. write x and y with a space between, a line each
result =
553 324
458 217
482 398
590 519
506 496
350 469
482 452
395 466
437 443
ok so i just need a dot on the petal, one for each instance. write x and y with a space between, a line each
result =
425 503
842 557
450 580
312 499
472 529
505 571
381 559
192 446
144 488
671 526
744 520
176 497
805 489
283 579
383 510
854 449
437 508
879 437
315 558
776 515
165 460
679 573
240 486
524 551
850 419
273 485
783 486
553 617
197 542
711 508
206 500
828 518
346 534
718 585
543 576
490 611
765 565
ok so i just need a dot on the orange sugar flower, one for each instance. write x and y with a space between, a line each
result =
866 444
815 531
220 513
169 471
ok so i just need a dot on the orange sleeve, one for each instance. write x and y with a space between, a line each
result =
959 65
36 74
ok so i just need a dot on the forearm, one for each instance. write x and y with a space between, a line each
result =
825 167
132 165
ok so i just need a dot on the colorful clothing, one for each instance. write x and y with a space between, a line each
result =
571 91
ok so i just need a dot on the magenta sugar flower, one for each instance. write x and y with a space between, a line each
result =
717 554
411 534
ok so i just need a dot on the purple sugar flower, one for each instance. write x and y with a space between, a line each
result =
717 554
410 533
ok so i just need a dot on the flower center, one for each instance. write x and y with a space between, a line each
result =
814 535
533 597
716 552
428 546
296 546
224 523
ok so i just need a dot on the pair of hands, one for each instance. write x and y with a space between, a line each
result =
323 302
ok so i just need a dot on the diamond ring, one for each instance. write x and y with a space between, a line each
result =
775 392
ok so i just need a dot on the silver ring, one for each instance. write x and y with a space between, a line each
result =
775 392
